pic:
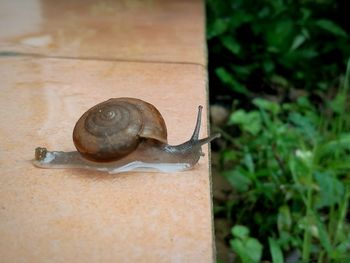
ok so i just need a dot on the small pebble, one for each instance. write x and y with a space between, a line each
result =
218 114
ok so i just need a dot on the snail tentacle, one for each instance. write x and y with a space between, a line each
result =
193 144
197 128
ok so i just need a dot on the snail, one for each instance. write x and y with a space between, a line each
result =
125 134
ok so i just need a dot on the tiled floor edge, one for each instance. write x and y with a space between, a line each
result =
40 82
47 81
43 56
210 170
205 55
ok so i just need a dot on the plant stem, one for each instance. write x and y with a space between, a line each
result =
307 235
320 257
332 222
309 211
342 214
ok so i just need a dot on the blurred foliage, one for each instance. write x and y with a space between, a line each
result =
287 156
256 45
289 167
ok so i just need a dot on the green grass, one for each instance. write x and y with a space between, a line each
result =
289 167
287 154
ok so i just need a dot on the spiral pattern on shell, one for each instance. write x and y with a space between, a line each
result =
114 128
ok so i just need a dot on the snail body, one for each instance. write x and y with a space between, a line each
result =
124 134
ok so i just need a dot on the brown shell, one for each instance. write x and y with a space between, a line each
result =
114 128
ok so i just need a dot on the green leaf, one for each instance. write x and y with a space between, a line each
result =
276 252
305 102
323 234
244 70
248 121
240 231
240 182
331 27
331 189
249 251
248 161
340 164
239 18
284 219
217 27
270 106
304 125
254 249
238 247
293 58
264 12
279 80
280 34
306 13
269 66
342 142
231 44
229 155
298 41
299 171
338 103
341 252
228 79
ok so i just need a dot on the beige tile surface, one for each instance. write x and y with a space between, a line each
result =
79 216
147 30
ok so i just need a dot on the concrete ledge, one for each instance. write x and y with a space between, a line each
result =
147 30
79 216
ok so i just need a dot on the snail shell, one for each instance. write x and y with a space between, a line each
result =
124 134
114 128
